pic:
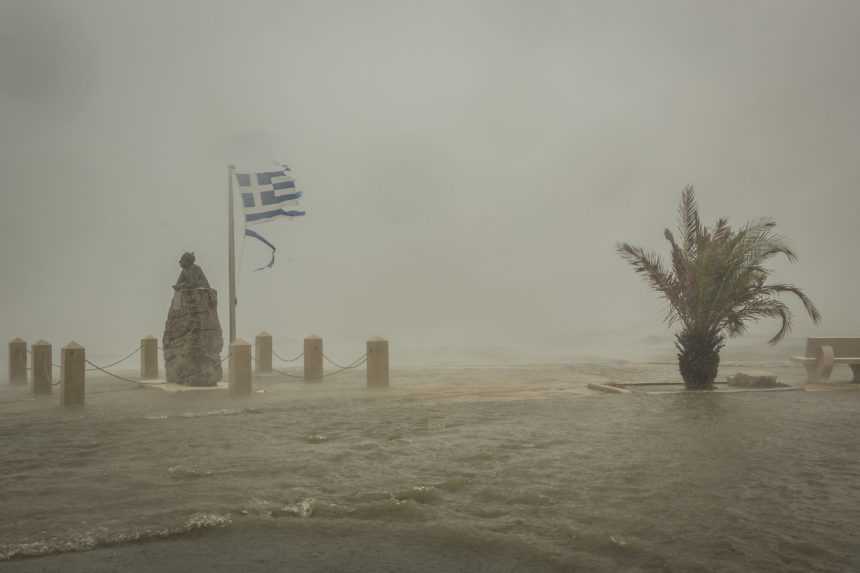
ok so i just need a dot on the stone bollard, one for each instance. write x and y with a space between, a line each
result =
263 353
377 363
74 363
17 361
240 368
313 358
43 369
149 358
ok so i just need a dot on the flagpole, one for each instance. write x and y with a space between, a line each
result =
231 254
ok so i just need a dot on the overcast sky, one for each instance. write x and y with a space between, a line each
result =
467 166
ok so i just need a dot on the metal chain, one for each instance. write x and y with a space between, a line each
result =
124 379
336 365
281 372
112 364
358 362
361 360
287 359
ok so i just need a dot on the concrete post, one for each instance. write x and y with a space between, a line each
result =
263 353
17 361
149 358
313 358
43 369
377 363
74 363
240 368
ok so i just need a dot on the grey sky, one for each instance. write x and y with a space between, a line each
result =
468 166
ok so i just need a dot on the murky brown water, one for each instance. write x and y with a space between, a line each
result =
700 482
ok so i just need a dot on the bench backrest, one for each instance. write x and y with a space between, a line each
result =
842 347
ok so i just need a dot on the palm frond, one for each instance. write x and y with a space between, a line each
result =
680 263
810 307
764 308
722 231
691 226
650 266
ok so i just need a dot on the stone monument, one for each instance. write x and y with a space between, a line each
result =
192 336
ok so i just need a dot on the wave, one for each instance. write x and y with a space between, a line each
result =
93 540
406 505
220 412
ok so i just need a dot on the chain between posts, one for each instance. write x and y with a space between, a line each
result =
361 360
95 366
112 364
117 376
103 369
278 356
351 365
354 364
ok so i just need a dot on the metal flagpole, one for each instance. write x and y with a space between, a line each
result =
232 254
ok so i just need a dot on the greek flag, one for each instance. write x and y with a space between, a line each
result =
268 196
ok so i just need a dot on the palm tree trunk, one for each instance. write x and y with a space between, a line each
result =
698 359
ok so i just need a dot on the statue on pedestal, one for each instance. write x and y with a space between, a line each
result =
192 275
192 336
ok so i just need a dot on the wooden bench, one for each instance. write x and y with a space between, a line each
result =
824 353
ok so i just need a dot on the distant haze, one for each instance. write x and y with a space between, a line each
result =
468 166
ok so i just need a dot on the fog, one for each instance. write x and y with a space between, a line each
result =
467 167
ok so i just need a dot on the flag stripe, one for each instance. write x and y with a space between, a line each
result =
265 178
269 197
289 184
262 239
266 208
259 217
256 202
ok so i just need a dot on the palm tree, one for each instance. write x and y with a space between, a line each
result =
716 286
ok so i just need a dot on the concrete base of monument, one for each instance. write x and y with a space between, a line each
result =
176 388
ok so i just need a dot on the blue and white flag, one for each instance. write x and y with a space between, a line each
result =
268 196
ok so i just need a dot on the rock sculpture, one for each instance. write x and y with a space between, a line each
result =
192 336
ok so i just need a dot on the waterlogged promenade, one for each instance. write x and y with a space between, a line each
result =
510 468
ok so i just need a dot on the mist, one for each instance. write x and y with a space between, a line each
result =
468 167
493 387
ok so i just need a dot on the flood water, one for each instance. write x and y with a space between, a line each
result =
521 458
